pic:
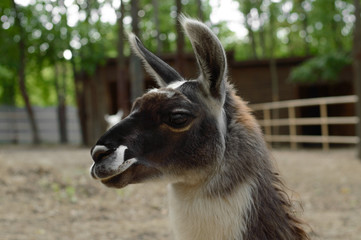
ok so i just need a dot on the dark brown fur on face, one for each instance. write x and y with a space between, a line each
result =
199 136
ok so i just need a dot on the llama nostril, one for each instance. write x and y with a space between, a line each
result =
128 154
99 152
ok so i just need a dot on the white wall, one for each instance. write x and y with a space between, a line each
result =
15 127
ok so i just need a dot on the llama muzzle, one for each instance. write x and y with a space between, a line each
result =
110 162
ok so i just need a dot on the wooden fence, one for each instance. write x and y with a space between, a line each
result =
15 126
292 121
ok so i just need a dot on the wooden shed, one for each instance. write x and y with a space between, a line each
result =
98 94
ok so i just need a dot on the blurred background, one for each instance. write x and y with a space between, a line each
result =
65 64
67 74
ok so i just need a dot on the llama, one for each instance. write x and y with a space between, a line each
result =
201 138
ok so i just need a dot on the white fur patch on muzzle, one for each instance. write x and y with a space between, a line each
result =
111 165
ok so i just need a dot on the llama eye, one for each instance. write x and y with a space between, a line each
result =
178 120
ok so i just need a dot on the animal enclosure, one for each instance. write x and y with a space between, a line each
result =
247 76
15 126
326 122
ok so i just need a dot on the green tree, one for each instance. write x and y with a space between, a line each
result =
64 41
20 17
122 97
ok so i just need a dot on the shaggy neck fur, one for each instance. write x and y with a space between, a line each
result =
243 199
196 215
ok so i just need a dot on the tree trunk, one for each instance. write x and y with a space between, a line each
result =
180 39
200 10
273 72
262 32
122 93
136 70
78 79
157 26
305 25
357 69
336 28
22 79
80 99
273 66
302 12
251 38
262 42
62 107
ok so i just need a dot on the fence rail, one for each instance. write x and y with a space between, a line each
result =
292 121
15 126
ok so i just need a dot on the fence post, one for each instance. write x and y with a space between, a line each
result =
267 118
324 126
292 126
15 122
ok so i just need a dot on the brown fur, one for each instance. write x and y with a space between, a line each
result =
273 216
243 113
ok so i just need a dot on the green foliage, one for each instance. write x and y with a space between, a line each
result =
47 35
7 87
280 29
299 27
167 22
325 67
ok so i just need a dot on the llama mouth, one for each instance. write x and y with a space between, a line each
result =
113 165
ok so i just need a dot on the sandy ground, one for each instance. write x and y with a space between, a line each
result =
47 193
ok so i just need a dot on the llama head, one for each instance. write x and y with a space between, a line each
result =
174 132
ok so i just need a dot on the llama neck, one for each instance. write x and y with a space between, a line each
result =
196 215
251 212
243 199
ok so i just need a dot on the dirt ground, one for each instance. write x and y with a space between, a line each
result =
46 193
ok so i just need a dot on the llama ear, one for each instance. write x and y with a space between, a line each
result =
161 71
210 55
